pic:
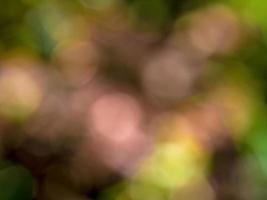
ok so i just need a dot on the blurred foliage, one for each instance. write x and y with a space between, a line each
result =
192 72
16 182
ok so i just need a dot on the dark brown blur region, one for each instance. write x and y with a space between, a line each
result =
133 100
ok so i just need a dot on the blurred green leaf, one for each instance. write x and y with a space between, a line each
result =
16 183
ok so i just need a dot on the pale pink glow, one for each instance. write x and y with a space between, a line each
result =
118 137
116 116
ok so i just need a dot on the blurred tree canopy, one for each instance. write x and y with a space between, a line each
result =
133 99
